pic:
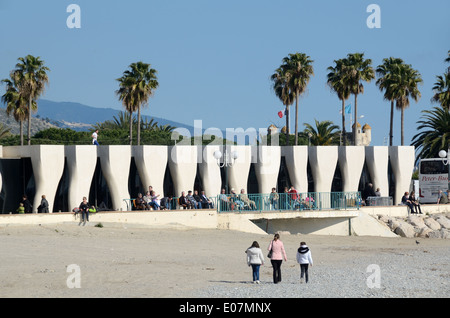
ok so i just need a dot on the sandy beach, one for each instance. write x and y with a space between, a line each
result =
126 261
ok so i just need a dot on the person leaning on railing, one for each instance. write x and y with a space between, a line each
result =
224 201
274 198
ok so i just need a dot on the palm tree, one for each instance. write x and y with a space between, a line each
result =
404 85
337 80
442 91
385 72
136 86
325 134
435 134
358 69
282 90
299 66
15 104
30 77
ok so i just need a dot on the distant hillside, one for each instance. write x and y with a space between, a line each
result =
37 124
81 117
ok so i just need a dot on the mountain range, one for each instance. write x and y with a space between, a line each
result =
72 115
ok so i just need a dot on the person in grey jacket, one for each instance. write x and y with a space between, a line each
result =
255 259
304 258
43 207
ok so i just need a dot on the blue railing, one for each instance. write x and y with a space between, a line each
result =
312 201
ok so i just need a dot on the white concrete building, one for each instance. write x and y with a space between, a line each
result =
111 174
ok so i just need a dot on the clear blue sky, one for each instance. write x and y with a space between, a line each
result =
214 58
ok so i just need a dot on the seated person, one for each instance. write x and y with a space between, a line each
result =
166 203
184 202
206 203
139 202
147 199
236 202
405 201
155 202
244 198
197 199
20 209
442 198
192 201
415 202
310 202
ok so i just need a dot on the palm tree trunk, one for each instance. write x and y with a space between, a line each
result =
296 120
287 125
131 128
356 120
344 134
139 127
391 128
21 132
402 119
29 121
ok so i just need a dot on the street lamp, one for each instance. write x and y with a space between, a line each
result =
228 161
445 156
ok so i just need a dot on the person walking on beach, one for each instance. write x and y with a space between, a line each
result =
84 208
276 255
304 258
255 259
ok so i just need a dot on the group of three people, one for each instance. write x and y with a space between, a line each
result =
195 201
276 254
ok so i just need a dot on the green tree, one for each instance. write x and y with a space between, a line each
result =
358 69
442 91
324 134
386 72
300 69
280 84
404 85
434 133
136 86
16 104
337 80
30 77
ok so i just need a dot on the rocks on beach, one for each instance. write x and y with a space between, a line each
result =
424 226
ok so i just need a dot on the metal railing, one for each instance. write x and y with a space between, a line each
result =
311 201
173 204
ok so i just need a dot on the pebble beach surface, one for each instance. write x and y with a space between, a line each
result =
126 261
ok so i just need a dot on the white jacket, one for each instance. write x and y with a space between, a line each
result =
254 256
304 255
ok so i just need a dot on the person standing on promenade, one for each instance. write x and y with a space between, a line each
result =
94 137
304 258
276 255
255 259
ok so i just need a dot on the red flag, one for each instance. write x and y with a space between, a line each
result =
280 114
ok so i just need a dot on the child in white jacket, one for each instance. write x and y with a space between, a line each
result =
304 258
255 259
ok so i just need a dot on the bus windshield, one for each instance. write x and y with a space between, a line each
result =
433 167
